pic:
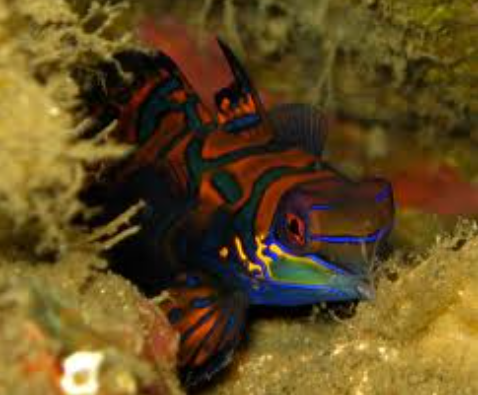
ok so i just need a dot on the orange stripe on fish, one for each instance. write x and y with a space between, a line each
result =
249 169
221 142
147 154
127 130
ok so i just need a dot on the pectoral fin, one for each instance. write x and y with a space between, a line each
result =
210 319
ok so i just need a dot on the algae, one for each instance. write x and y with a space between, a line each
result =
55 315
42 164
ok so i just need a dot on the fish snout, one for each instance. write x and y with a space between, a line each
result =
366 290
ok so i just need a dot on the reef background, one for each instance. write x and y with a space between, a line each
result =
406 63
401 79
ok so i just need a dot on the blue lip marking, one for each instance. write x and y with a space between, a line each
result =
351 239
325 288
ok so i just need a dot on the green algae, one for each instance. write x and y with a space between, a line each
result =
42 164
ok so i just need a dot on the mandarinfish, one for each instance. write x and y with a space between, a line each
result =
241 209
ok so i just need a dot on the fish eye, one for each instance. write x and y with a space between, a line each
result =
295 228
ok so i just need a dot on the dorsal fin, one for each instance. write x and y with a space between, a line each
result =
301 125
238 104
150 98
153 103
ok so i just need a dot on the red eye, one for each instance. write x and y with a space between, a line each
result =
295 229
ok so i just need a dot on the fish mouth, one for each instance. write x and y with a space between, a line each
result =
350 285
353 287
366 291
311 274
328 281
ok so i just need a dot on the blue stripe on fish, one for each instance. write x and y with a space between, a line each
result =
351 239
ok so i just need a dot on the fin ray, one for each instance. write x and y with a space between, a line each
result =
153 103
210 318
239 107
301 125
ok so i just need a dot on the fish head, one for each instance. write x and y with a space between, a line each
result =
326 237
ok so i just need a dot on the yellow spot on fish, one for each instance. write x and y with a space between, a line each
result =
276 249
261 246
224 252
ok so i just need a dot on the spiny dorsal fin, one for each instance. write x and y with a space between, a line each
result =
149 97
238 104
301 125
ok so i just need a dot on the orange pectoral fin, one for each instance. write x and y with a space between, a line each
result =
210 320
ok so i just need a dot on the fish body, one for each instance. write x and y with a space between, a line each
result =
241 208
